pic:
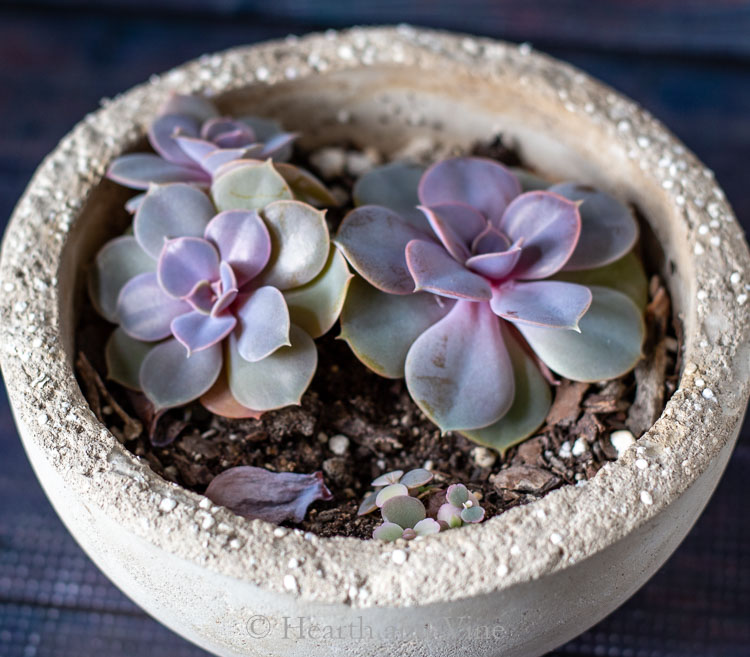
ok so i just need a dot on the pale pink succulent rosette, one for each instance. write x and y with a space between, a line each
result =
220 298
457 291
192 141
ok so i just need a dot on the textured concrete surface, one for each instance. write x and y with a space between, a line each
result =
457 89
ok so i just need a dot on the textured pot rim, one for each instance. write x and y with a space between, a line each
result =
527 542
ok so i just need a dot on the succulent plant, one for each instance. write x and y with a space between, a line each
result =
220 306
463 291
404 517
192 141
460 507
391 484
273 496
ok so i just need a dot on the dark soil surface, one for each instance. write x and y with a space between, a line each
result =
385 430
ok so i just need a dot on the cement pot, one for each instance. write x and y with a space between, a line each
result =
517 585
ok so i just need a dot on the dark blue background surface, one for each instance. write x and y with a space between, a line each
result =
686 61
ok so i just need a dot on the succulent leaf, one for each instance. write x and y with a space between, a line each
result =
426 527
219 400
117 262
609 344
491 240
243 242
457 494
388 478
416 478
450 515
140 170
549 226
123 356
472 514
184 263
305 187
459 371
145 311
197 331
393 490
388 531
299 244
276 497
374 240
393 186
264 324
530 182
477 182
404 511
276 381
625 275
454 222
608 227
541 303
434 270
170 379
171 211
531 402
495 265
248 185
317 305
380 328
368 504
162 132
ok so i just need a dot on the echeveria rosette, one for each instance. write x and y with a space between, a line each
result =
220 306
464 297
192 141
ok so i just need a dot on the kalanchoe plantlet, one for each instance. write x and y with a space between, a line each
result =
462 291
460 507
192 141
220 306
391 484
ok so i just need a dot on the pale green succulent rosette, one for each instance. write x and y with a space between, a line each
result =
473 284
220 298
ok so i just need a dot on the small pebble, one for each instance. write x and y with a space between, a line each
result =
565 451
502 570
580 447
358 163
708 393
292 563
555 538
641 464
205 503
167 504
290 583
279 532
398 557
339 444
330 162
483 457
208 522
621 440
646 498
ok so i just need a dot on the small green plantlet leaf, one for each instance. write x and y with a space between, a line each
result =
531 402
305 187
394 490
124 356
426 527
299 244
472 514
316 306
609 344
393 186
116 263
380 328
417 478
625 275
388 478
457 494
249 185
404 511
368 504
388 532
276 381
